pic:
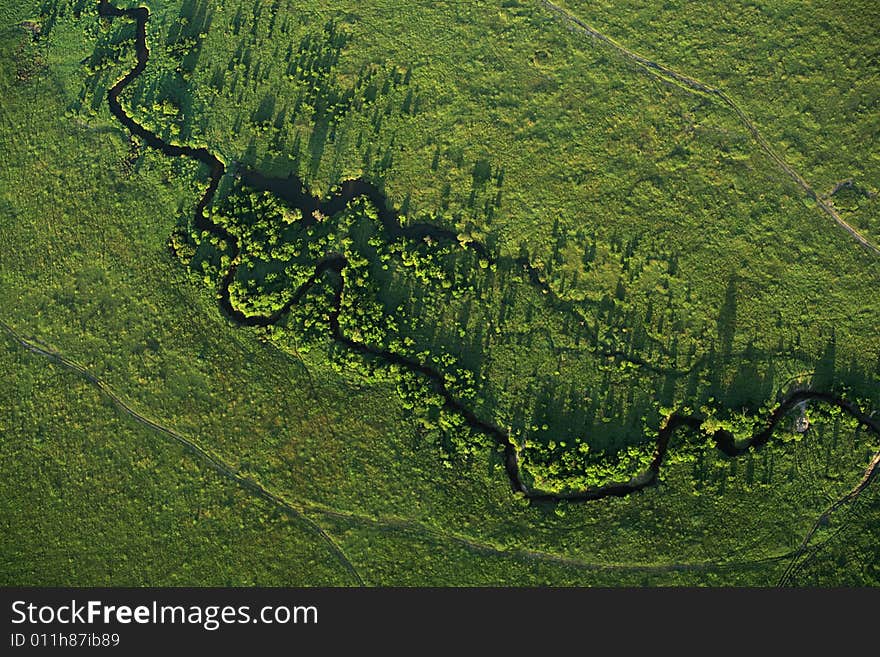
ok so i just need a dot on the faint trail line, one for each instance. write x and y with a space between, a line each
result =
398 524
795 565
300 509
213 461
692 84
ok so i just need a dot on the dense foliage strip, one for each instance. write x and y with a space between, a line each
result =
293 192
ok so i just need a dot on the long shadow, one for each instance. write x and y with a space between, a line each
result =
294 193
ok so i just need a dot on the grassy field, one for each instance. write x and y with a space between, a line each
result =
807 72
90 497
683 270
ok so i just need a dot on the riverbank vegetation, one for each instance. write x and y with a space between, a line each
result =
638 255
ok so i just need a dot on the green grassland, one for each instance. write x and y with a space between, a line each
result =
848 557
807 72
90 497
681 269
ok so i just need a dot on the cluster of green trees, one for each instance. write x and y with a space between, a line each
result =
579 383
618 314
576 468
